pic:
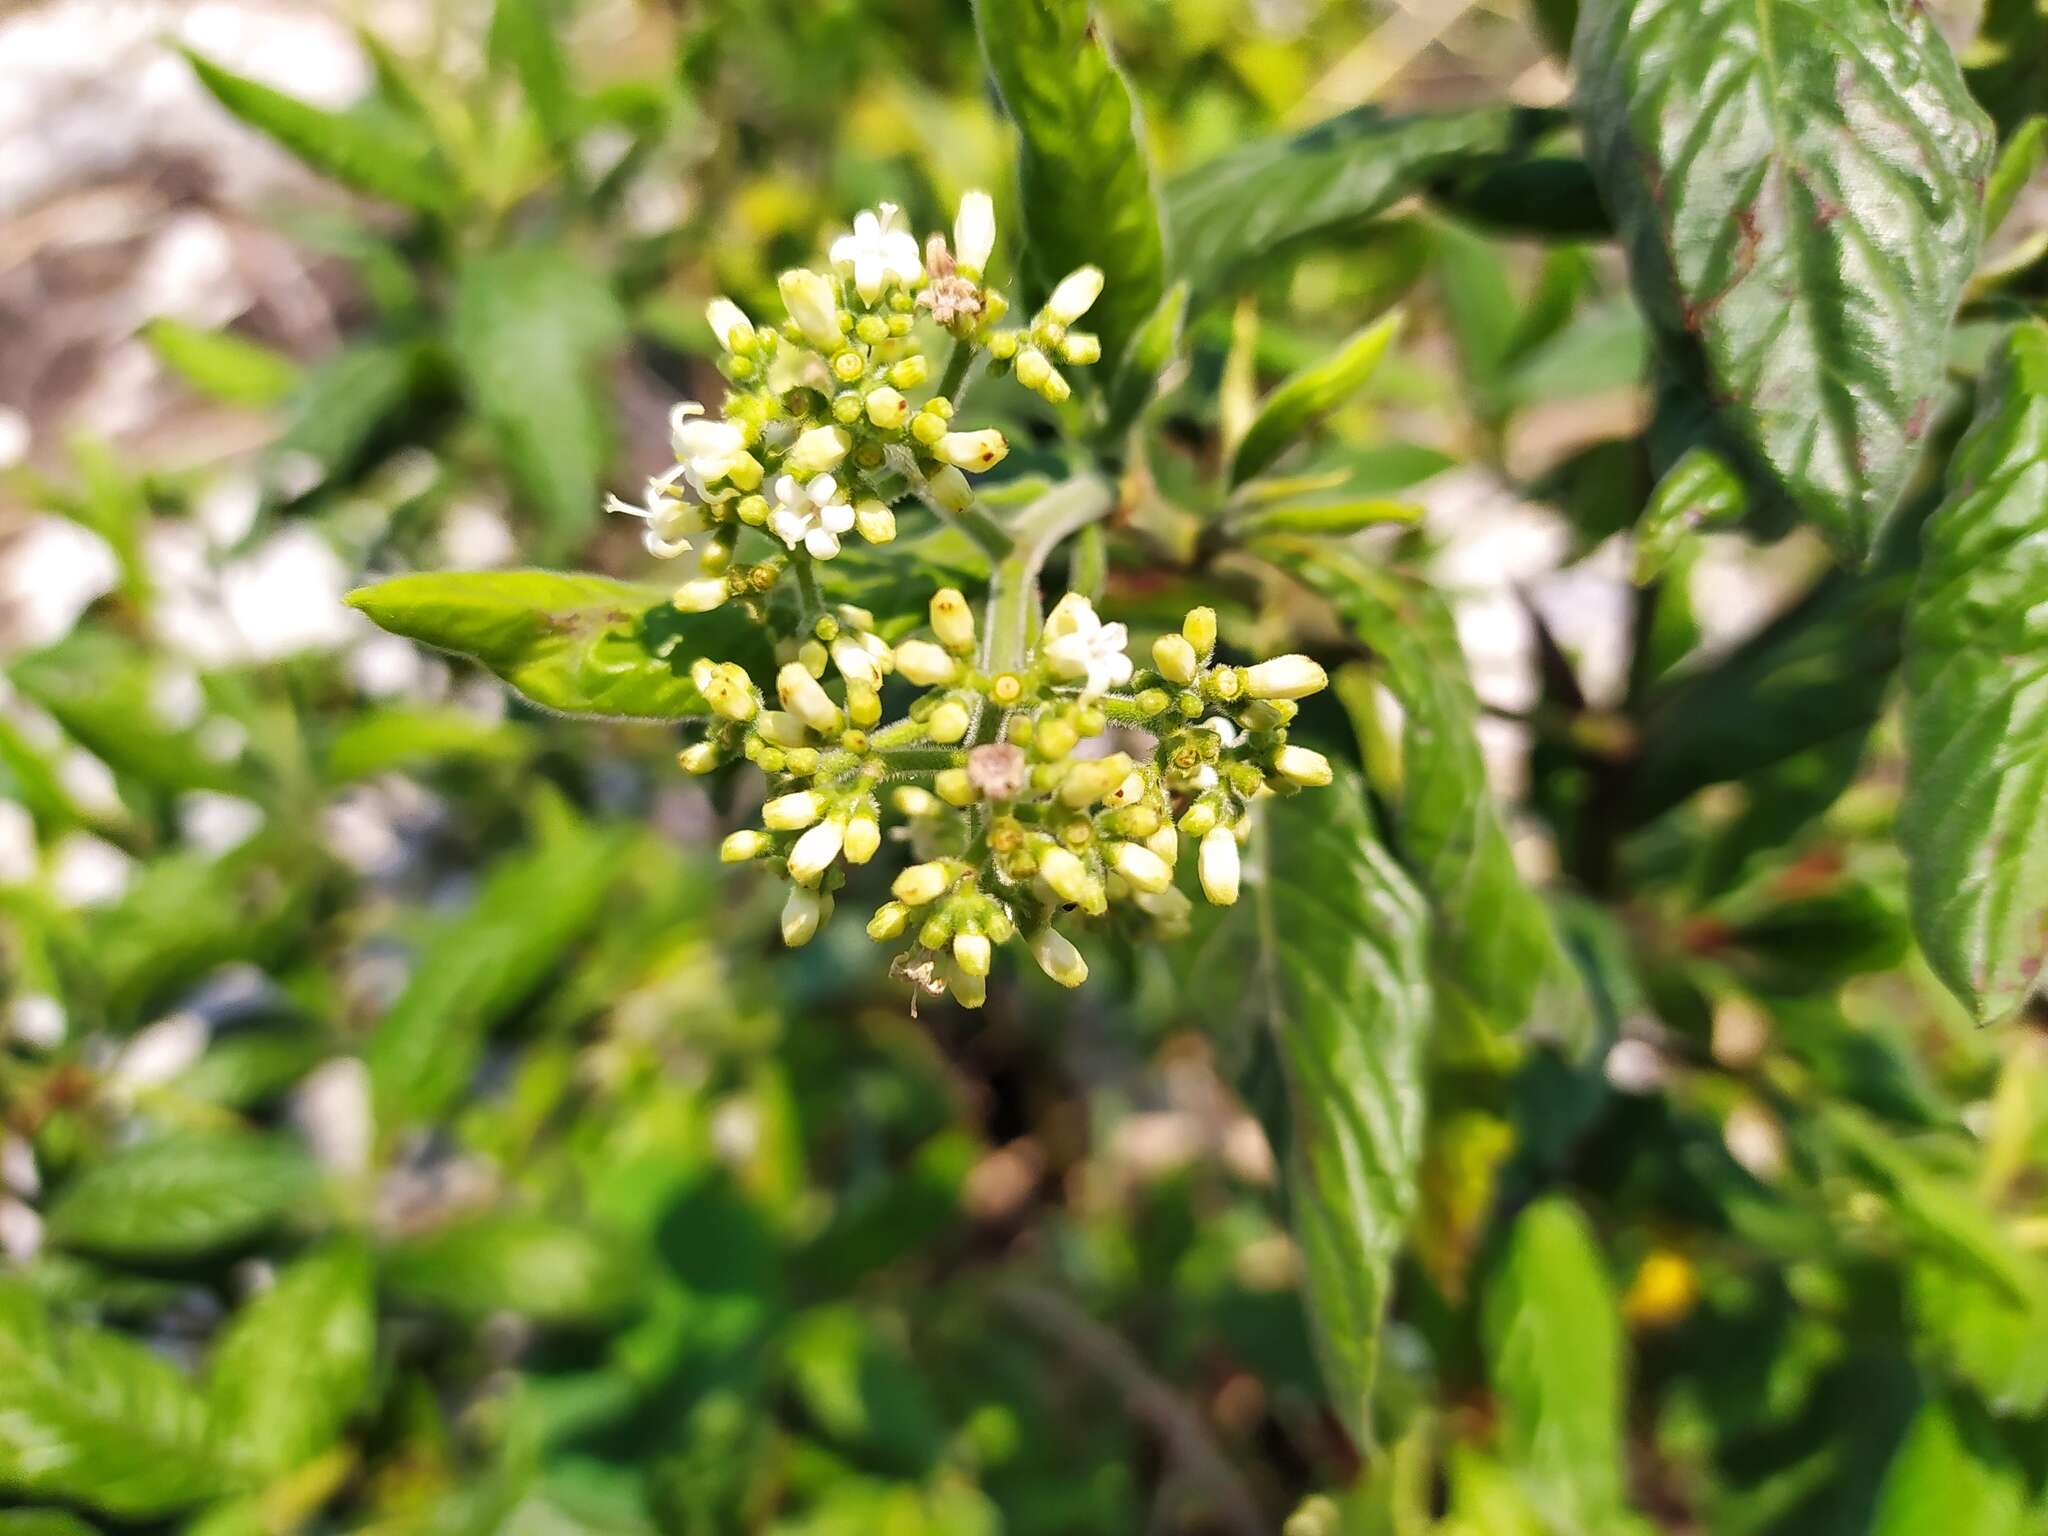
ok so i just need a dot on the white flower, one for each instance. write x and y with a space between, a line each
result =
974 231
1078 644
670 519
813 305
878 252
810 513
707 449
1076 292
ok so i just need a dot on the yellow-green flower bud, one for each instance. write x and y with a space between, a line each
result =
875 522
1217 864
922 884
873 330
863 704
909 372
816 451
887 408
1033 368
802 697
747 843
801 915
1054 739
700 596
730 325
1065 873
1199 630
848 366
1175 658
813 303
974 233
974 451
968 991
815 851
780 728
890 919
700 757
752 510
1299 765
1058 958
928 427
1081 349
863 837
854 662
972 953
953 786
1285 677
1088 782
952 619
788 813
846 407
1074 296
1138 864
948 723
950 489
925 664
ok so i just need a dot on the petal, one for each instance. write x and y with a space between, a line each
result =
663 549
822 488
838 516
788 526
823 543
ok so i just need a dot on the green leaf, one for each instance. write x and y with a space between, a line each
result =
582 645
2003 64
370 153
1555 20
1137 379
2020 160
182 1196
504 1262
1554 1354
534 328
42 1522
1242 208
294 1365
523 34
383 740
1700 491
1293 408
1082 172
534 906
1983 1334
348 401
1953 1472
92 1418
1796 184
1974 823
1496 942
1345 941
222 365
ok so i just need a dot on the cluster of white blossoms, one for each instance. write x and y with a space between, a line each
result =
820 436
1068 787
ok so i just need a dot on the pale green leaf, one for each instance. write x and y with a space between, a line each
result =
1309 395
1698 492
221 364
1954 1472
539 1268
1796 184
182 1196
582 645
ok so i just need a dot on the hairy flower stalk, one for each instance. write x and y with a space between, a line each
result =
1038 776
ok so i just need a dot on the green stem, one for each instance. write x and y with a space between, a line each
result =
1013 614
807 590
955 376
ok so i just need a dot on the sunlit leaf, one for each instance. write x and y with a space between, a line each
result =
1954 1472
1295 407
547 1270
221 364
182 1196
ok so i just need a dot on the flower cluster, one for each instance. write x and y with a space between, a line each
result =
819 435
1075 783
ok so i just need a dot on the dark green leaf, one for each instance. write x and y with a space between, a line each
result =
1137 379
1554 1353
1954 1473
530 911
501 1262
583 645
295 1363
1309 395
1243 207
1345 941
182 1196
1082 172
42 1522
1498 946
1555 21
251 1067
1983 1334
1796 184
2019 161
366 152
221 364
103 692
534 328
1975 820
92 1418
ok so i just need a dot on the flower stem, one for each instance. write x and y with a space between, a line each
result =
953 383
1013 615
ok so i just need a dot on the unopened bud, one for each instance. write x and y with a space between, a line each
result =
922 883
801 915
1141 866
815 851
1217 864
889 920
863 837
968 991
952 619
747 843
955 787
948 723
700 757
1058 958
701 595
1175 658
802 697
819 449
971 952
788 813
1065 873
975 451
1285 677
887 408
974 232
875 522
1087 782
1081 349
854 662
1199 630
1077 291
780 728
925 664
813 303
729 323
1299 765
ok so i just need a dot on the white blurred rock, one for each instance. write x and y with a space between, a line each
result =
333 1111
216 823
37 1021
49 575
162 1051
86 871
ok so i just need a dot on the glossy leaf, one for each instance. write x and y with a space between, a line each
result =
364 151
534 328
1239 209
92 1418
1975 819
182 1196
1498 948
1953 1472
530 910
1151 350
294 1365
581 645
2020 160
1699 492
504 1262
1345 940
1082 173
1293 408
1555 1357
1796 184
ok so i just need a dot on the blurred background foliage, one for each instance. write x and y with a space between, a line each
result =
409 1125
